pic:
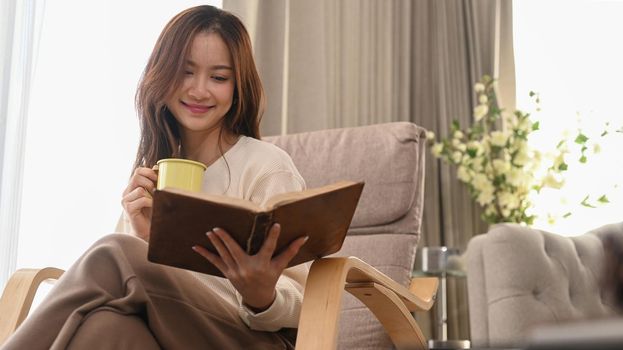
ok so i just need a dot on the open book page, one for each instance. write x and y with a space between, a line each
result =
285 198
278 200
229 201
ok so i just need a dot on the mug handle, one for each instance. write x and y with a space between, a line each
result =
155 168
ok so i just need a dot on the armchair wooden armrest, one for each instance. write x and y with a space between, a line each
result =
391 302
18 296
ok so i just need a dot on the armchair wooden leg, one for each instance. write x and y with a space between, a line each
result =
390 302
18 295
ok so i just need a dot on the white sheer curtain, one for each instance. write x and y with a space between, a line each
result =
570 53
19 33
81 133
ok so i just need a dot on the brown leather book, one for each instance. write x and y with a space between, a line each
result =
181 219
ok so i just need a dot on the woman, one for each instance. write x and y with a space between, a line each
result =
200 98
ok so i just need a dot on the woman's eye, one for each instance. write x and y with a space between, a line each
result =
188 72
220 79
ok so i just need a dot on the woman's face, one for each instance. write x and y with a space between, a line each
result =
207 90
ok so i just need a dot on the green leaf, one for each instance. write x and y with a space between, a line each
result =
604 133
586 204
535 126
455 125
472 152
532 93
583 159
603 199
562 142
568 214
563 166
581 139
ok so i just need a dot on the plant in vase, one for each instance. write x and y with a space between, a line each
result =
496 162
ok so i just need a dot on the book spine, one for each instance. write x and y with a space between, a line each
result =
261 225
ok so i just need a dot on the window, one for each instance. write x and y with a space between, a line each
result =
570 53
82 130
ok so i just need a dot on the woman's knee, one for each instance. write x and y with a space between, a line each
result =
113 254
118 246
121 240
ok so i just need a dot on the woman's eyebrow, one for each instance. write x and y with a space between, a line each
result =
221 66
214 67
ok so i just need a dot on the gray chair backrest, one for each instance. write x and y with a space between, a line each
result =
519 278
385 230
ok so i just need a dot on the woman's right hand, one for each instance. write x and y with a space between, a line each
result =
137 201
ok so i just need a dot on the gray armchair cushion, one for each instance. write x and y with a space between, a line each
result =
388 157
519 278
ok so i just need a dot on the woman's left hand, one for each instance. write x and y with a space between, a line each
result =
254 276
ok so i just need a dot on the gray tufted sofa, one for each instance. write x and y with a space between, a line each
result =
519 278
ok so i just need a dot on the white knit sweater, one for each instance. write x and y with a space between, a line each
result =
256 170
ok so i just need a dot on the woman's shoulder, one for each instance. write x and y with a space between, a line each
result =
264 151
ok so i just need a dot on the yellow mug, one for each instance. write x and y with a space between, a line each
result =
180 173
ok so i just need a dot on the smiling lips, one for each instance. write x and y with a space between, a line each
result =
196 109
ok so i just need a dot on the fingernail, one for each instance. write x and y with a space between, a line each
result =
209 233
194 248
216 229
305 239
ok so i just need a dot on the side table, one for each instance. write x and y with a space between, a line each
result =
441 262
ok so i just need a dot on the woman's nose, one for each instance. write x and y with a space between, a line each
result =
199 89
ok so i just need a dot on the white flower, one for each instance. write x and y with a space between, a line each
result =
506 212
596 148
521 158
456 157
461 147
480 111
500 166
475 146
508 200
551 219
565 134
437 149
479 87
525 125
486 196
458 134
498 138
537 156
480 182
550 181
430 135
560 158
463 174
483 99
489 170
516 177
477 163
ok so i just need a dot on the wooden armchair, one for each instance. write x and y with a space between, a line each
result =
385 230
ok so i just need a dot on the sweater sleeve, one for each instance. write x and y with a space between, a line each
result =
284 311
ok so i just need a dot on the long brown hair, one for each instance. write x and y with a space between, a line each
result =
160 137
